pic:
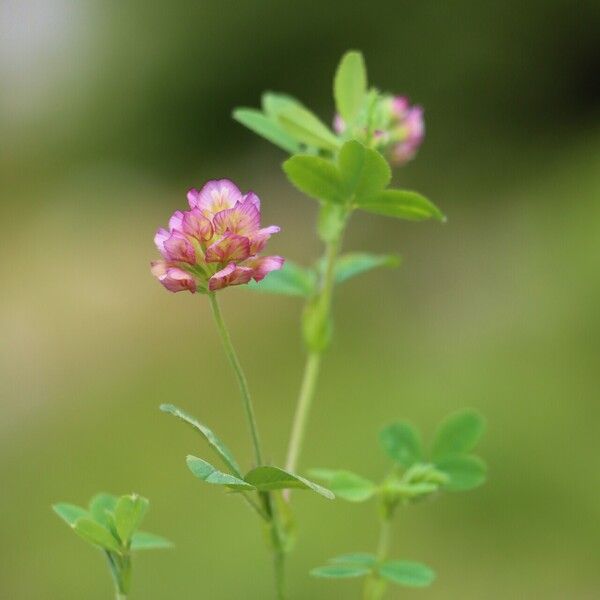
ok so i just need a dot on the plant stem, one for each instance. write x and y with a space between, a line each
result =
374 585
385 533
121 596
239 373
279 564
307 392
313 362
269 513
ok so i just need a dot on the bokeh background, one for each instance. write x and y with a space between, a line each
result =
110 110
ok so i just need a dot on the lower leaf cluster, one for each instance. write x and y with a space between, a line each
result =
111 523
401 572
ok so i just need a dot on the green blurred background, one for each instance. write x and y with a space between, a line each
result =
111 110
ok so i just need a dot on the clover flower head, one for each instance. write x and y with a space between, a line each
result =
215 244
399 128
407 129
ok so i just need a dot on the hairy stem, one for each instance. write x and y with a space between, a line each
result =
313 362
240 376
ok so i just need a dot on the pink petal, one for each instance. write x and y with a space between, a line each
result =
177 247
242 219
339 125
159 240
252 197
230 248
264 265
216 195
415 124
173 278
195 224
399 106
259 238
176 221
403 152
230 275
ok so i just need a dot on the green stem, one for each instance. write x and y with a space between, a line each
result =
239 373
279 564
313 362
307 392
374 586
269 512
385 535
121 596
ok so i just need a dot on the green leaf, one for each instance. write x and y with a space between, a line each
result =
465 471
316 177
69 513
458 434
205 471
267 478
267 128
402 443
129 512
291 280
340 571
353 264
401 204
352 487
273 103
142 540
364 171
350 85
407 573
323 474
346 484
357 558
208 435
102 508
306 128
94 533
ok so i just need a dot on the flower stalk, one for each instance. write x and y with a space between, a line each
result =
268 512
239 374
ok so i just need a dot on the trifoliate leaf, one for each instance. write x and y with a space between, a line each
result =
402 443
142 540
205 471
267 128
208 435
129 512
364 172
69 512
267 478
357 558
316 177
458 434
355 263
465 471
350 85
92 532
407 573
306 128
340 571
102 508
401 204
291 280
